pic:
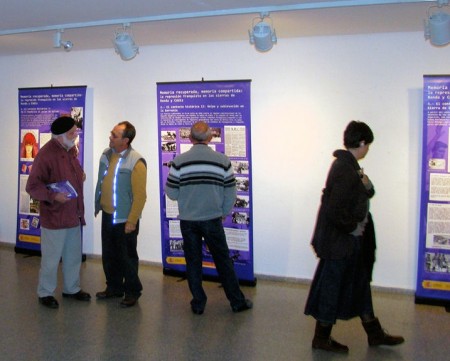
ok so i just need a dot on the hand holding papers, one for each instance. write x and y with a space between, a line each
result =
63 187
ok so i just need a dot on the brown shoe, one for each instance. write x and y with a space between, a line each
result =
322 339
128 301
329 345
377 336
79 296
108 294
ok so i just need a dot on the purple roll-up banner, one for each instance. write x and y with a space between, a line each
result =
225 106
433 267
38 108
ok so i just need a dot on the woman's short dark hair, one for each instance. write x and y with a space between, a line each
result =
357 132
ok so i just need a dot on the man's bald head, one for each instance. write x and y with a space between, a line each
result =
200 132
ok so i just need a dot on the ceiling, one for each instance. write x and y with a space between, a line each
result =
27 26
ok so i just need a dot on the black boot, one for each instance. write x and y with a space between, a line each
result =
323 341
377 336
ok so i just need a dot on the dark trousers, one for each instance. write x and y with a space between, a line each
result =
120 258
212 232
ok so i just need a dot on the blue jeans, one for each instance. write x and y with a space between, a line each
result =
212 232
120 258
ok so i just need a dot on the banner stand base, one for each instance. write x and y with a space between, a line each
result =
182 275
432 302
32 252
29 252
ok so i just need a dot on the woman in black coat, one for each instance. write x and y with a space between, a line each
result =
344 240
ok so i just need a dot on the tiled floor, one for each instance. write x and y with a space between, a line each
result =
161 327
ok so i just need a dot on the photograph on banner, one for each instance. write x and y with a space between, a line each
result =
29 145
437 262
225 106
438 147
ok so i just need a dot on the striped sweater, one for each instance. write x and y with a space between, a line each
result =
203 183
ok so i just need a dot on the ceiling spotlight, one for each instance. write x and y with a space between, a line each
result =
57 42
263 34
437 28
124 43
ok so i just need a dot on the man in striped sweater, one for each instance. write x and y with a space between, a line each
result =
203 183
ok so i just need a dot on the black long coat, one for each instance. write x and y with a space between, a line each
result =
344 204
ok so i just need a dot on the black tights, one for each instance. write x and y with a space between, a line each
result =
364 318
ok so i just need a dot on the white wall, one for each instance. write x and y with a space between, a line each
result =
304 92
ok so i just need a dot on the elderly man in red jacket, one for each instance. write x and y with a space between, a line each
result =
61 213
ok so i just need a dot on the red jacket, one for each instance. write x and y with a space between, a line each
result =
54 163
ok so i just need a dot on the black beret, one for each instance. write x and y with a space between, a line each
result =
62 125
